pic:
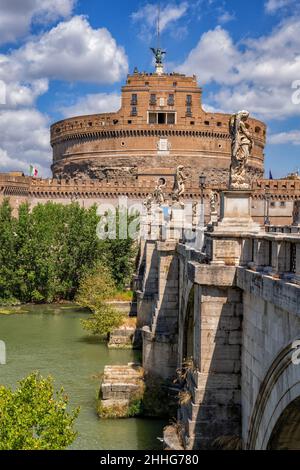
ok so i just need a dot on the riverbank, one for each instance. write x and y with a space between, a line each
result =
50 338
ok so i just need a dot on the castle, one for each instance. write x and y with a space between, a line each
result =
161 124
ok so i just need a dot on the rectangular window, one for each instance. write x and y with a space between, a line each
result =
161 118
152 100
161 101
189 100
134 99
171 100
171 118
152 118
188 110
134 111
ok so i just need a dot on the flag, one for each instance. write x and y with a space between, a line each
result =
33 171
270 175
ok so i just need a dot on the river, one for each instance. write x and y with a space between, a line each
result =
50 339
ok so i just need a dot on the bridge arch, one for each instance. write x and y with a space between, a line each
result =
275 404
286 434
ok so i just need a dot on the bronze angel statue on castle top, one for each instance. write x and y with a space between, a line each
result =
158 54
241 146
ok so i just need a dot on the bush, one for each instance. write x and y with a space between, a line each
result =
34 417
95 289
103 321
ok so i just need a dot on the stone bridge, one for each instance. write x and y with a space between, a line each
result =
227 317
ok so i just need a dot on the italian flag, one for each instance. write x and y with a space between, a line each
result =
33 171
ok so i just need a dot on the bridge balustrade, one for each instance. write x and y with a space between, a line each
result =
275 254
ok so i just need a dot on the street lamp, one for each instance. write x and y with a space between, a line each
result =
202 179
267 217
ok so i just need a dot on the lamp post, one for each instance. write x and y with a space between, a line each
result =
267 217
202 179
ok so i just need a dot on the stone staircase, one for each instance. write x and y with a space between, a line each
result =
119 387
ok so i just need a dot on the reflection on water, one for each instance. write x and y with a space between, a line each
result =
50 339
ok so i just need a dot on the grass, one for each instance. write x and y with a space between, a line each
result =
129 322
123 296
118 410
12 311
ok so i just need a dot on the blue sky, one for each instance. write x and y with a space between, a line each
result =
63 57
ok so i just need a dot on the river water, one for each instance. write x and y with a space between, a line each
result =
50 339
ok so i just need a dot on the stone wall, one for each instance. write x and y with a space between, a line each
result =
105 145
270 381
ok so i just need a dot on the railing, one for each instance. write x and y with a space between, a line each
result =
282 229
274 254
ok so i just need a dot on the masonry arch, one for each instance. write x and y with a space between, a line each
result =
286 434
275 404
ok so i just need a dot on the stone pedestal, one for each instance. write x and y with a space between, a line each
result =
236 213
159 69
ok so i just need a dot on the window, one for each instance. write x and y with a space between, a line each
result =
134 99
272 204
162 118
174 84
189 111
161 102
189 100
206 123
171 118
152 100
129 121
134 111
282 204
171 100
152 118
219 124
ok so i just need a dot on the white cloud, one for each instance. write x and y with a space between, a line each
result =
147 16
213 58
257 74
290 137
96 103
24 140
73 51
16 16
272 6
226 17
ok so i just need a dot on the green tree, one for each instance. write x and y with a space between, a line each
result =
45 252
96 288
7 252
120 252
34 417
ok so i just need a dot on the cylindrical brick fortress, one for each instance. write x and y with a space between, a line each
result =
161 124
